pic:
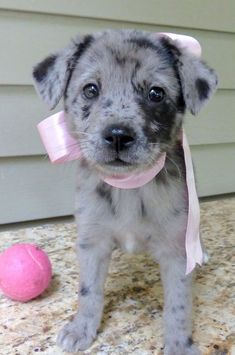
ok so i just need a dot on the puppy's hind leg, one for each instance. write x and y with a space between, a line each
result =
178 307
93 261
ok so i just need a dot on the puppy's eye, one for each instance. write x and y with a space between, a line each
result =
91 91
156 94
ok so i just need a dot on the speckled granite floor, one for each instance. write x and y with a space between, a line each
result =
134 297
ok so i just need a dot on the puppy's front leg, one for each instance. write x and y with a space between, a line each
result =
93 262
177 307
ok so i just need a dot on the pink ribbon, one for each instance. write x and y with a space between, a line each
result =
187 42
59 144
62 147
192 240
132 181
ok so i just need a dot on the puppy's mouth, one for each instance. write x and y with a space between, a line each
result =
118 163
116 166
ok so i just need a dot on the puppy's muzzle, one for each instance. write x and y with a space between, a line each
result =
118 138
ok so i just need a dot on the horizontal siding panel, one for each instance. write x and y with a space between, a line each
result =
21 110
216 121
215 168
205 14
30 37
32 188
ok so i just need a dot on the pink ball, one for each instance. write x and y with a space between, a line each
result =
25 272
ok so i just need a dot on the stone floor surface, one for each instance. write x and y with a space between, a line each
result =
132 321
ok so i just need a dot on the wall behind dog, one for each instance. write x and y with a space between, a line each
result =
32 188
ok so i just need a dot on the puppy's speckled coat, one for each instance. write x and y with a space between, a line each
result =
125 95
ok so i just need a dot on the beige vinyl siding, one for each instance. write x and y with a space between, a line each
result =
213 125
31 187
31 36
205 14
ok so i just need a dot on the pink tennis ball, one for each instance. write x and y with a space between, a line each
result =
25 272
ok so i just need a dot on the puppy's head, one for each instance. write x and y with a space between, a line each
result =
125 94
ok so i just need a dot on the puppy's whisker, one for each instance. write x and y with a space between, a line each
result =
177 167
81 133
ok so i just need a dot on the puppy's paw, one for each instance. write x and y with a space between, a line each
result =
178 349
76 335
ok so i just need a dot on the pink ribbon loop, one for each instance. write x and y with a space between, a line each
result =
60 145
187 42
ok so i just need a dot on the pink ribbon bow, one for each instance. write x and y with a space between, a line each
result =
62 147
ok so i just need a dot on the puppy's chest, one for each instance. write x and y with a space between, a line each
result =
140 217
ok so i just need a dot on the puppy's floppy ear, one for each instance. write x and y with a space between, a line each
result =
52 75
198 80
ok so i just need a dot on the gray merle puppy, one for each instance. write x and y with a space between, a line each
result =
125 94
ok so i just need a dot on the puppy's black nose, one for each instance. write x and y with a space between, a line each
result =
119 137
